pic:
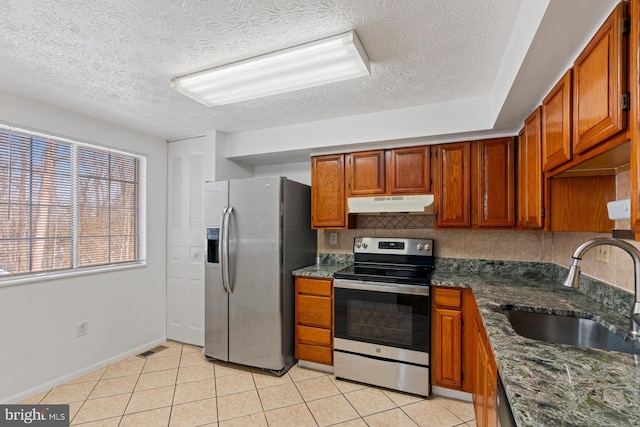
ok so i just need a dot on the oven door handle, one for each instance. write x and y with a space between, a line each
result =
396 288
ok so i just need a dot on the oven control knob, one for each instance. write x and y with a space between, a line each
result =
358 244
419 246
364 245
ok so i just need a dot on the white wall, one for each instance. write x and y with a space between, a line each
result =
350 133
125 308
300 172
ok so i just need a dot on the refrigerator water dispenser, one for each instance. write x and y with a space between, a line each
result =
213 240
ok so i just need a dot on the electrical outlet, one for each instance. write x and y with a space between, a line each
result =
603 253
333 238
83 328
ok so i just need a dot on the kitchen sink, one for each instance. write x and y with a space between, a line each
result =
556 328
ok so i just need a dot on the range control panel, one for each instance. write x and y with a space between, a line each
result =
393 246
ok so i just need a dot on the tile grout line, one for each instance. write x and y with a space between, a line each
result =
175 385
295 384
132 391
89 394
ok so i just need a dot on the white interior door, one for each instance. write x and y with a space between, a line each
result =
186 242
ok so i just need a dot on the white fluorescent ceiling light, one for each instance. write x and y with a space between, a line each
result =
329 60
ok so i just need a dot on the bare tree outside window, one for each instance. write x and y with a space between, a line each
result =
47 186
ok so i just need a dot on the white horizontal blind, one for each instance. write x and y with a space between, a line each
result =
66 205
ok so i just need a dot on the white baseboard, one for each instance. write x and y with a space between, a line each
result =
66 378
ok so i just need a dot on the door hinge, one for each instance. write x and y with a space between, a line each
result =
626 25
542 212
430 182
625 101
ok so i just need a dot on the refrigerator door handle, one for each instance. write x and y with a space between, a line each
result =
226 277
222 250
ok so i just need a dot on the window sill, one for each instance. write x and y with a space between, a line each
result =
39 277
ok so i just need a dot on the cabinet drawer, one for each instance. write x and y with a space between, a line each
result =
315 353
448 297
311 335
314 311
314 286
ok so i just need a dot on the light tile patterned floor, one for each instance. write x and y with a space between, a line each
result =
179 387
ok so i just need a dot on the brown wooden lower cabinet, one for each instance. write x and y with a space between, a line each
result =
461 356
451 365
485 390
314 320
446 330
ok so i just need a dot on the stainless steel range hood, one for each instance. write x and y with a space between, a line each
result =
382 204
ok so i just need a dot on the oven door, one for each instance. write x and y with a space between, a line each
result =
392 316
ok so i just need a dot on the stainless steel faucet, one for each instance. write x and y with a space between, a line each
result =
574 272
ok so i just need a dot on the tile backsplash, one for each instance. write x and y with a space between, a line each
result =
508 245
394 221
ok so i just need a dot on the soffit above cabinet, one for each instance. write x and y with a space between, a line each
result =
115 62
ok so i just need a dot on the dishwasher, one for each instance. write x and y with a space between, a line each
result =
505 417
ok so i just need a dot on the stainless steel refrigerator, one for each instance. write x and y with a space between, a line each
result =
258 232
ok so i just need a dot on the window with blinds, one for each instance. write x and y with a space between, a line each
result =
67 205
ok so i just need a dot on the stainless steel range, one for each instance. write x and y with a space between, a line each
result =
382 314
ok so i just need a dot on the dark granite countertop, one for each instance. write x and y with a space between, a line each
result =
322 271
554 384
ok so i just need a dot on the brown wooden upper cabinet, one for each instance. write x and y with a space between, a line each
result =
394 171
495 179
336 177
454 184
408 170
529 174
556 124
328 198
487 200
599 84
366 173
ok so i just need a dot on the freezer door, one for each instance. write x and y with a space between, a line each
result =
216 300
255 302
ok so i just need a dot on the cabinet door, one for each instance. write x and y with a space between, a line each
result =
328 199
314 311
556 124
530 207
408 170
480 389
454 185
447 354
366 173
495 178
599 82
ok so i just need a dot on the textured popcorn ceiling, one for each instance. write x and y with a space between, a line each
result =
114 59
